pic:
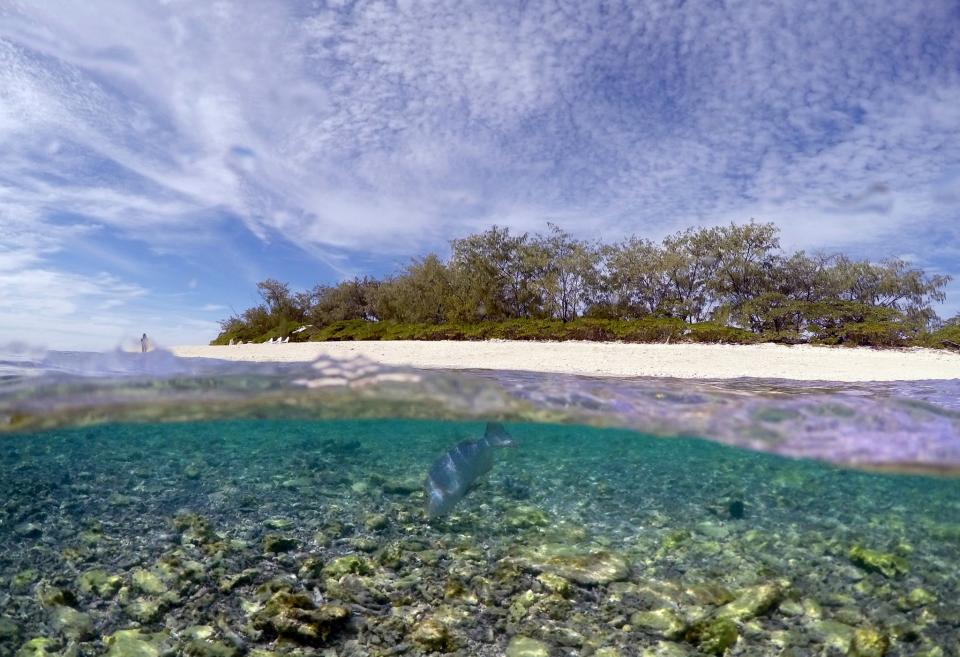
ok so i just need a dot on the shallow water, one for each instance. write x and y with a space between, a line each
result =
197 508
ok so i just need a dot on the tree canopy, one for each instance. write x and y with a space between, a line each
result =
733 276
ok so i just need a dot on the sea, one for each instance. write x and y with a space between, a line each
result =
152 505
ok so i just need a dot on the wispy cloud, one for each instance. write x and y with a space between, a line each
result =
387 128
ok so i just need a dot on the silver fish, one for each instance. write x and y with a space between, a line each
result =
452 475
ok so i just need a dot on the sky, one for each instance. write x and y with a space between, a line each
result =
157 159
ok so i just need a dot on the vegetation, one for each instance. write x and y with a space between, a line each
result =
723 284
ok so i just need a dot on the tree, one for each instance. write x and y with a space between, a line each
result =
277 296
501 268
422 293
635 278
892 283
690 264
735 274
350 299
566 269
745 256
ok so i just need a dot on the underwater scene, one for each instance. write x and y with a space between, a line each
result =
169 508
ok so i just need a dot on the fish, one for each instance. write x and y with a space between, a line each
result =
452 475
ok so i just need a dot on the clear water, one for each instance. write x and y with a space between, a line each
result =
169 507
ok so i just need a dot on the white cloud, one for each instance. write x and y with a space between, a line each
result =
390 127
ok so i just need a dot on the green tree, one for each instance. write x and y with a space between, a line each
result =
690 264
636 278
422 293
350 299
500 269
745 256
276 295
566 270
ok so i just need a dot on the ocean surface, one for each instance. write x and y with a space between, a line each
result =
152 506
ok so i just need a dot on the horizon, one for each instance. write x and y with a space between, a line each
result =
158 161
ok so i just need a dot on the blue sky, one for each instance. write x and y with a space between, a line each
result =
157 159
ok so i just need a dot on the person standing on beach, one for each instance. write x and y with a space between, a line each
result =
144 344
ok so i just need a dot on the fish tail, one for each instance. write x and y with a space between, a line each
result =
497 435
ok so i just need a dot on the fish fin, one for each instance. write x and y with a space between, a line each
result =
497 435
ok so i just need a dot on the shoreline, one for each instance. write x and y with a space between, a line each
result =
614 359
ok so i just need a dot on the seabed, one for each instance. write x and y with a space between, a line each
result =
267 537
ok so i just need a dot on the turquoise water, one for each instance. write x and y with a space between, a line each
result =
285 536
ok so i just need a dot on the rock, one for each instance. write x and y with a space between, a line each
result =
564 636
659 622
91 536
665 649
713 636
360 487
521 603
350 564
889 565
524 516
28 530
554 607
277 544
299 483
9 632
22 580
713 529
117 499
833 634
606 651
197 632
365 544
355 588
53 596
403 486
71 623
455 590
588 566
708 593
791 608
205 648
391 556
554 583
431 635
38 647
230 582
522 646
675 539
278 523
868 642
917 597
148 582
144 610
376 521
294 616
100 583
751 602
135 643
193 528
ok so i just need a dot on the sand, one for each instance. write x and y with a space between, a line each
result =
695 361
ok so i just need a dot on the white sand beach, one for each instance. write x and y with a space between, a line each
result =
695 361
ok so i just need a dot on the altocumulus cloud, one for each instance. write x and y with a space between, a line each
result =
367 131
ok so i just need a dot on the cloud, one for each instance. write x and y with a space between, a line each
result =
388 128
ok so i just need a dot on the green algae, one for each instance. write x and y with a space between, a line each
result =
890 565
